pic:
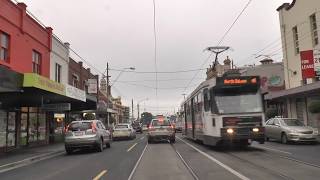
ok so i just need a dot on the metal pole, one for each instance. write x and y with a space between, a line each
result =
132 109
138 111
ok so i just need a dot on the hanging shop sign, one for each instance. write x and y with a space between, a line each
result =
316 57
92 86
37 81
75 93
307 64
58 115
61 107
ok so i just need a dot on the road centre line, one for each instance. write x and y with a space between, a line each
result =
239 175
137 163
100 175
271 149
132 147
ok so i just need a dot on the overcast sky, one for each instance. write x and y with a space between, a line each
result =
121 32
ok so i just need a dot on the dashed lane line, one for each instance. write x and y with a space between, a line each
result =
272 149
137 163
132 147
142 138
100 175
234 172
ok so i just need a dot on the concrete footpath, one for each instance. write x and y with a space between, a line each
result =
160 161
25 156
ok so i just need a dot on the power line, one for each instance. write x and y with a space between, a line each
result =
159 72
159 80
220 41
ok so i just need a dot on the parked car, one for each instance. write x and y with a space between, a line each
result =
123 131
289 129
137 126
161 129
86 134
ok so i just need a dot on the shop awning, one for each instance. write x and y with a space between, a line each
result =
308 89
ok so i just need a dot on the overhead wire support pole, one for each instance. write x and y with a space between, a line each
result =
155 48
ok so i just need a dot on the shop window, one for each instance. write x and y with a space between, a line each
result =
36 62
296 39
33 133
11 141
23 129
58 73
42 127
314 30
3 128
4 46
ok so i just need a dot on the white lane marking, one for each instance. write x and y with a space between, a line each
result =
271 149
137 163
142 138
100 175
239 175
132 147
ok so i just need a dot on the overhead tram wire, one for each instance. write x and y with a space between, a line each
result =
219 42
159 72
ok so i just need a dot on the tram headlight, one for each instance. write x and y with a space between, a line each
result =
255 129
230 131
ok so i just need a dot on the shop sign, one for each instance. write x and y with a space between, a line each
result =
92 86
307 64
75 93
60 116
37 81
316 57
56 107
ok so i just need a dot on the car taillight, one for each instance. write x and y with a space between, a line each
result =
66 129
150 128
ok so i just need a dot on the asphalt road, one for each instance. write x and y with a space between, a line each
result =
137 160
114 163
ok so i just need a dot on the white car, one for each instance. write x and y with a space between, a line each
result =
123 131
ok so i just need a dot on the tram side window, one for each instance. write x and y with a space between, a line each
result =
206 97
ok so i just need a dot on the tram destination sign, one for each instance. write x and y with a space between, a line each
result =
245 83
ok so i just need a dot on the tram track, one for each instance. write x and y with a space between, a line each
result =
191 171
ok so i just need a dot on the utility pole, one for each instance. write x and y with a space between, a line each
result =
132 109
138 107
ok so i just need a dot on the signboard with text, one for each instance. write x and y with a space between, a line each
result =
316 57
92 86
75 93
307 64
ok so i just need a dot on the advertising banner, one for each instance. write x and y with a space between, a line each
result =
37 81
92 86
307 64
316 56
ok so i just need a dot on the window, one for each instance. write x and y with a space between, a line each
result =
213 122
314 29
4 46
270 122
36 62
58 73
296 40
206 97
75 80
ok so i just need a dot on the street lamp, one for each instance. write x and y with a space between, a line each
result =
138 107
122 71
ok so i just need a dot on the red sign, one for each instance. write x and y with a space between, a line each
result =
307 64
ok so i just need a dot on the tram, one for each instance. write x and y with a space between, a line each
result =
225 110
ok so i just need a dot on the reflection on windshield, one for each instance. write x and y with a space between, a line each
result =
239 103
292 122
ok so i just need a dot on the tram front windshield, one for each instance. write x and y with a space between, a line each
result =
239 103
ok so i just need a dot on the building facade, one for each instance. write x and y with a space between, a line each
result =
299 25
59 61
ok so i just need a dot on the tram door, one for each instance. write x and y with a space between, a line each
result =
192 117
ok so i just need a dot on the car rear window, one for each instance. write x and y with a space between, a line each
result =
121 126
161 123
80 126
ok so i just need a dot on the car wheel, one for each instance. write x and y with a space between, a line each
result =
149 141
100 146
108 144
267 138
69 151
284 138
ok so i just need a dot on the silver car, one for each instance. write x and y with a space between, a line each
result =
86 134
161 129
123 131
289 129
